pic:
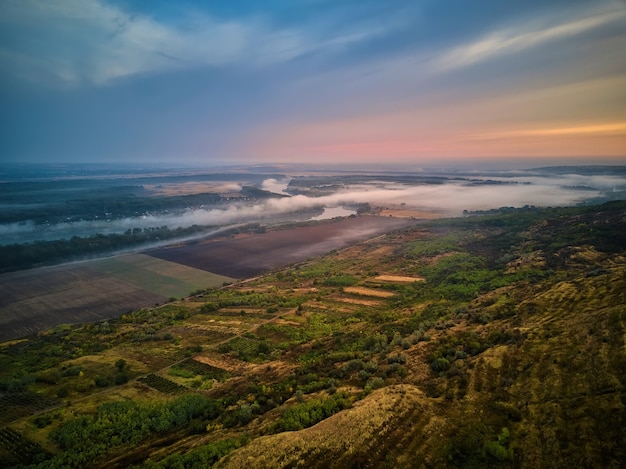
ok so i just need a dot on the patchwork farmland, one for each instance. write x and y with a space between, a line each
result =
35 300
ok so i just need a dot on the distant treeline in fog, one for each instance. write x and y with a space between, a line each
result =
24 256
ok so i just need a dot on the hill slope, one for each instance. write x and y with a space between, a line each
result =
493 340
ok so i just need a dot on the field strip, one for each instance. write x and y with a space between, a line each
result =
358 301
368 292
176 270
399 278
169 279
39 299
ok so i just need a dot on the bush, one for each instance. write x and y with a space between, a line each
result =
440 364
42 421
121 378
120 364
71 371
376 382
309 413
101 381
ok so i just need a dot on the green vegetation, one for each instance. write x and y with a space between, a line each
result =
510 353
309 413
158 276
204 456
341 281
87 437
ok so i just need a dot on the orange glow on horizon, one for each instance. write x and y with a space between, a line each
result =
604 129
600 140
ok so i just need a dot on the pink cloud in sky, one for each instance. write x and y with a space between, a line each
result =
584 118
391 139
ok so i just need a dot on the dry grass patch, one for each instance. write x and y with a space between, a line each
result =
399 279
358 301
340 440
225 362
369 292
381 251
306 290
330 305
493 356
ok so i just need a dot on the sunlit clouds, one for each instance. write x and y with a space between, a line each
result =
519 38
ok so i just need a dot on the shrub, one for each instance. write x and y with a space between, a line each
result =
101 381
121 378
309 413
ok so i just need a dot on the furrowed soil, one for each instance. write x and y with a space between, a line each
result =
35 300
158 276
250 256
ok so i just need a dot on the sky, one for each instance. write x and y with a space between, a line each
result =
313 81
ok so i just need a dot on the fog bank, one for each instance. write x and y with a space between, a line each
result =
451 198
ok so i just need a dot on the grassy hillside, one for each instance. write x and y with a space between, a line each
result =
492 340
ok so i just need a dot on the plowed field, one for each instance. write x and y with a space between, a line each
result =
38 299
250 256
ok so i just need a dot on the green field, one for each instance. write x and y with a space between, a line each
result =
158 276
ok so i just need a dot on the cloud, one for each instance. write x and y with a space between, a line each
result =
614 128
520 38
234 187
450 198
274 185
323 81
79 41
90 41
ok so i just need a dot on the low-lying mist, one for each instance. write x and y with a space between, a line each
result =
449 198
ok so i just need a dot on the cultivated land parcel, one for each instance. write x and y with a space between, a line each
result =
38 299
486 341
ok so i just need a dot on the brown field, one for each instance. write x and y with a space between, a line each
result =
357 301
405 211
35 300
186 188
252 255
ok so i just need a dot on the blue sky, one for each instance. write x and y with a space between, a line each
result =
312 81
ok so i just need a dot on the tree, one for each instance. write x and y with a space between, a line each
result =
120 364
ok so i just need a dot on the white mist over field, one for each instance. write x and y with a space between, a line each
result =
449 196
